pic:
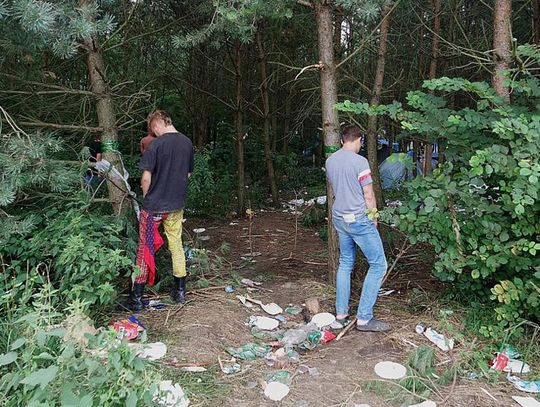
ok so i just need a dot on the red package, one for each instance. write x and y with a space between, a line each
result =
128 330
327 337
499 362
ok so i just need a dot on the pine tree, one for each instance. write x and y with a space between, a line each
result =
67 29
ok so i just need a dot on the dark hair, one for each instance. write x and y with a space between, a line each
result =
351 133
159 115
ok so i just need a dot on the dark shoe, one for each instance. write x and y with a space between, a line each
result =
374 325
178 293
136 296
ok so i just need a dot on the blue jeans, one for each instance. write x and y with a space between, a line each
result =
361 232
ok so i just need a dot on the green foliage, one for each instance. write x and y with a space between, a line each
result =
80 253
314 215
480 211
47 362
202 185
24 166
59 25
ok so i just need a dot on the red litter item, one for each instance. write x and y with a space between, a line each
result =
327 337
500 361
128 329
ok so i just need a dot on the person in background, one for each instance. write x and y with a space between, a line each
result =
146 140
92 176
166 164
354 215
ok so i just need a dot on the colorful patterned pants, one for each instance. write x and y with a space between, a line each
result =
150 241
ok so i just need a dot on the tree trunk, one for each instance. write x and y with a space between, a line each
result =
267 118
330 120
502 42
535 4
286 123
375 100
338 21
239 130
106 119
428 148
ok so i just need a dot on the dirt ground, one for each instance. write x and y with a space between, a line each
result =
199 332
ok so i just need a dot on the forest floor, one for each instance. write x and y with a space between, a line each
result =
197 333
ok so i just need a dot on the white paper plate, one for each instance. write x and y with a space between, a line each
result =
323 319
276 391
266 324
153 351
427 403
272 308
390 370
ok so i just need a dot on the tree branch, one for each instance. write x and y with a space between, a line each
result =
71 127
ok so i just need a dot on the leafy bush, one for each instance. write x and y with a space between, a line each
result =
79 253
481 210
48 362
58 263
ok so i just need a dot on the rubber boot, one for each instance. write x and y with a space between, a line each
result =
136 296
179 291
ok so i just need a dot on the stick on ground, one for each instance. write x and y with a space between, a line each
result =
346 329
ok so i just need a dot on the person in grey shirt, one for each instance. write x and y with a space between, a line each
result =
350 177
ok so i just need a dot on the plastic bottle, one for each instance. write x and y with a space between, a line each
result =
439 339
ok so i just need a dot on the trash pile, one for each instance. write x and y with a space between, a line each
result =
281 337
294 204
508 360
131 329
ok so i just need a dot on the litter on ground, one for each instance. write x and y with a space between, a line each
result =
276 391
250 351
194 369
390 370
171 395
526 401
525 385
438 339
153 351
426 403
323 319
266 323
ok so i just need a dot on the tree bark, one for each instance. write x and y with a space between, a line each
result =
239 131
428 148
338 21
267 121
286 123
375 100
502 42
106 118
535 4
330 120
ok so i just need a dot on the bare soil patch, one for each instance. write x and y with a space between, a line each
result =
200 331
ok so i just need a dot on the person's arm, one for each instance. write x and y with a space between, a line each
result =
371 203
98 157
146 179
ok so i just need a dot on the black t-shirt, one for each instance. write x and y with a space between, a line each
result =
169 158
95 149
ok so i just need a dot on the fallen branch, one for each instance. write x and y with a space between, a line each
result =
346 329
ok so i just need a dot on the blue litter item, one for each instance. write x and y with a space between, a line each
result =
229 289
189 253
133 318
